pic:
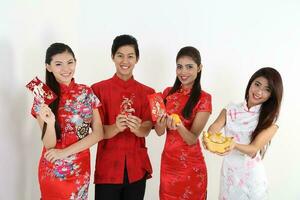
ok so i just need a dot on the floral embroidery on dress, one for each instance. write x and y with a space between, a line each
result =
69 176
242 176
183 170
187 193
183 159
80 107
82 189
65 167
82 112
83 130
175 104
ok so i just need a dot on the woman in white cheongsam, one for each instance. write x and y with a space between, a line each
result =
252 124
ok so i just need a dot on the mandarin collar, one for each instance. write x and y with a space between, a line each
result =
122 83
65 88
254 109
185 91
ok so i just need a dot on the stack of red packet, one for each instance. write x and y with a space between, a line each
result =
157 105
42 93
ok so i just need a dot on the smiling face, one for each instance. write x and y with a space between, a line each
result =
125 60
259 91
187 70
62 66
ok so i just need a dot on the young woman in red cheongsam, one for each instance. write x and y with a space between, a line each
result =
183 170
64 168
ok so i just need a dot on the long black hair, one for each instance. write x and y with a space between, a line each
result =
269 110
55 48
193 53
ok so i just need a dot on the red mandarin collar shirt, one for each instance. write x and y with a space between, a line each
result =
117 95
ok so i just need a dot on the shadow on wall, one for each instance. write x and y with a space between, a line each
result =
10 144
15 161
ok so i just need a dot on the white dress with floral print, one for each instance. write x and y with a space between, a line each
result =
242 177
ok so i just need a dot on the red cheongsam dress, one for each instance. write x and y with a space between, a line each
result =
183 170
69 178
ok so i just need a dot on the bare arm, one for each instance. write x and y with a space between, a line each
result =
191 136
219 123
216 127
251 149
258 143
95 136
46 116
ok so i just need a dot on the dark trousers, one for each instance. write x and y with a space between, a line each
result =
125 191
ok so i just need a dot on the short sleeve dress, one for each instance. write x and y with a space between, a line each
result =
183 169
242 177
68 179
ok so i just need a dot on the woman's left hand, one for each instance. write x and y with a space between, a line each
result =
54 154
228 149
171 124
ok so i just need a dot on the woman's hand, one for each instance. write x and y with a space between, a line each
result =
161 121
227 149
171 123
54 154
46 114
204 143
161 124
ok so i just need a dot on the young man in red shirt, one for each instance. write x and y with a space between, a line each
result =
122 163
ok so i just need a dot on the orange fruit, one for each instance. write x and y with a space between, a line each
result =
176 118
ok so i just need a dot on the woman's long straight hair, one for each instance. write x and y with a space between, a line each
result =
55 48
196 89
269 110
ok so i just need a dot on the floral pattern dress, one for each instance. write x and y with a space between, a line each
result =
183 169
69 178
242 177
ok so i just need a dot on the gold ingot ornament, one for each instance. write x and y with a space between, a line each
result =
217 143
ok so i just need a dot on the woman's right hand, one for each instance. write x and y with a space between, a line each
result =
204 142
46 114
161 121
228 149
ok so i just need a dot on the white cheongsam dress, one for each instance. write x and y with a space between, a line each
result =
242 177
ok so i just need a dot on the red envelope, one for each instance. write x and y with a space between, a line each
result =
157 105
126 106
42 93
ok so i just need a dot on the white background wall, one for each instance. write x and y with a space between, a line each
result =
235 38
